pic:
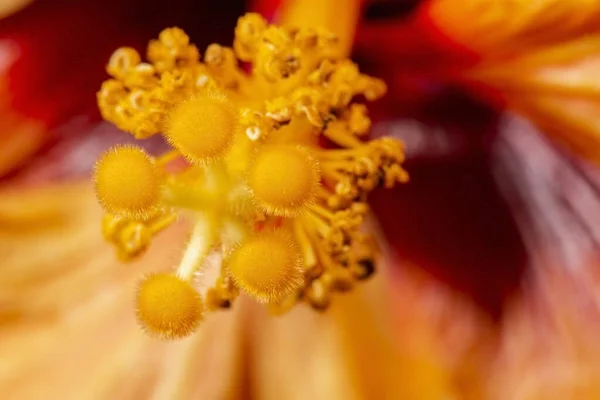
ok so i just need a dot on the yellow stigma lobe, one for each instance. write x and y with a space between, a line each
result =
127 181
283 179
202 128
168 307
267 267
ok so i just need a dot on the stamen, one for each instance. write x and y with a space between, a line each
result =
283 214
201 240
309 256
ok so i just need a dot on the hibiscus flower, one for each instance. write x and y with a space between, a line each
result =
455 244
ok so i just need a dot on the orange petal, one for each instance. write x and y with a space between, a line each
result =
543 57
557 87
549 347
500 27
369 345
8 7
67 320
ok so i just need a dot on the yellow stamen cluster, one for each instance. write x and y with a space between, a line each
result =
282 213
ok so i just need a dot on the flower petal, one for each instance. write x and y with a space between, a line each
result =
549 346
542 57
67 326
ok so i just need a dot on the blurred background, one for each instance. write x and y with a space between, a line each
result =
490 285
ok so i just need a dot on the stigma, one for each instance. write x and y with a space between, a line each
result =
273 169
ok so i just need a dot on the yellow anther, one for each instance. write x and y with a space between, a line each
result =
123 61
221 62
267 266
284 178
358 120
171 50
202 128
168 307
248 34
134 239
221 295
363 269
127 182
141 76
317 295
339 279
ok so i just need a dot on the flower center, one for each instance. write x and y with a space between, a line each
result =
283 214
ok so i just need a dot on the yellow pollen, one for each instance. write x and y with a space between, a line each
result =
267 266
202 128
127 182
283 179
168 307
